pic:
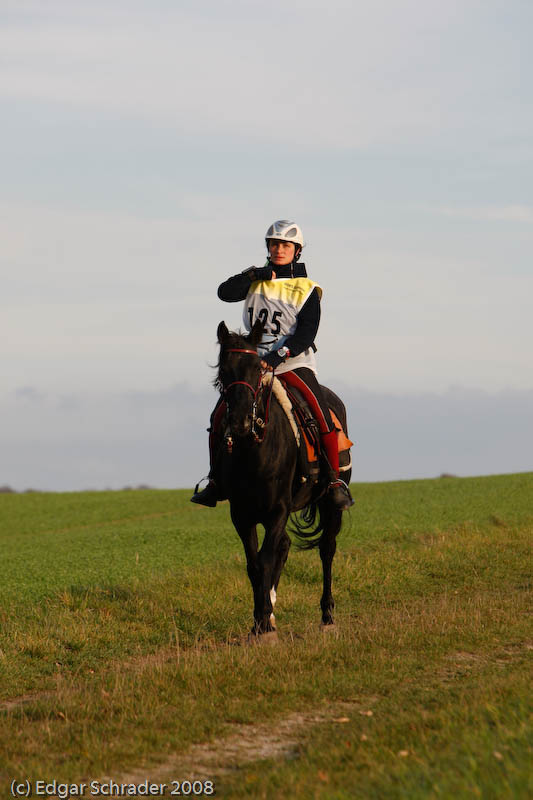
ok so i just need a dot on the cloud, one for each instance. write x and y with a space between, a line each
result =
147 147
356 77
78 441
460 431
511 213
124 300
75 440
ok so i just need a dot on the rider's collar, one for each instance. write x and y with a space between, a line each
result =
294 270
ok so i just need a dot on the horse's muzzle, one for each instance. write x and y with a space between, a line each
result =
241 427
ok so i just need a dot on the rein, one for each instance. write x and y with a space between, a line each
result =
241 350
257 392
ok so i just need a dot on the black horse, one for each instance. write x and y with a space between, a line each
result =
259 470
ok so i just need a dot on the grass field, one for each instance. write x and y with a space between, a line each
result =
123 616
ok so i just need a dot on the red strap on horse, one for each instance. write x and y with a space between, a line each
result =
297 383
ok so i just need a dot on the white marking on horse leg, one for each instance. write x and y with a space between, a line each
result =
273 601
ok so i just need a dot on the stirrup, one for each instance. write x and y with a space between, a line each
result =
340 494
205 497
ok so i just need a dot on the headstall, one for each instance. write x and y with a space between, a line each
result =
256 421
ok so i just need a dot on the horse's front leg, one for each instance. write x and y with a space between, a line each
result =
272 557
247 531
281 557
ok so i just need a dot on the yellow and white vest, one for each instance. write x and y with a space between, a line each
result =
277 304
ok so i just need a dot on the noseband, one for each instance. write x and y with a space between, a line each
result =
257 392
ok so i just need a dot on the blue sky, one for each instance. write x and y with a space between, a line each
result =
146 147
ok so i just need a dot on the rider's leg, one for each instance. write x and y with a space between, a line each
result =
305 380
210 495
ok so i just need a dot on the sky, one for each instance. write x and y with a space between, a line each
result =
146 147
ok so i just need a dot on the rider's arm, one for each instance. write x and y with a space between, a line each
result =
305 333
237 287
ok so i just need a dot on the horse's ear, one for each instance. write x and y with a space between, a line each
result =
256 334
222 332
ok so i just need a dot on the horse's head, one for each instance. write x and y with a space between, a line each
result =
239 376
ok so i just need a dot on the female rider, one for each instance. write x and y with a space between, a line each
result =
288 303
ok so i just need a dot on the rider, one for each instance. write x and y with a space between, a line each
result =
288 303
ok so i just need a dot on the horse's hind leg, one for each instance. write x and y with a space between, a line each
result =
327 547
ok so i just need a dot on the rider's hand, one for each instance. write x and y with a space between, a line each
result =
266 366
260 273
272 360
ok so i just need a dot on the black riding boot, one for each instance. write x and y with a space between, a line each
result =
340 495
208 496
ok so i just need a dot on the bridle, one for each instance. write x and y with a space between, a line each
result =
257 393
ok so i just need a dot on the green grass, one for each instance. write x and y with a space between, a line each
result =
122 616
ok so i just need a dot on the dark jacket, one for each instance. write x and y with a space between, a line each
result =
237 287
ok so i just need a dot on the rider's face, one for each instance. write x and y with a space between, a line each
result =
281 253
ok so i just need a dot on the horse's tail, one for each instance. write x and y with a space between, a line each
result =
306 527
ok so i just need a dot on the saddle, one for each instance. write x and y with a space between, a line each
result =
309 440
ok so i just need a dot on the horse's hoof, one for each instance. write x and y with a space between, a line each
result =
328 628
270 638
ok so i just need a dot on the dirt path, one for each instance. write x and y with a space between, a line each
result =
242 745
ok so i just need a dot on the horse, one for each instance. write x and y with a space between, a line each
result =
259 470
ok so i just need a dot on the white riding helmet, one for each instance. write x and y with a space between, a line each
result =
285 230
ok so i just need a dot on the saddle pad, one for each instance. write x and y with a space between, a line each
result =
313 446
342 439
283 399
